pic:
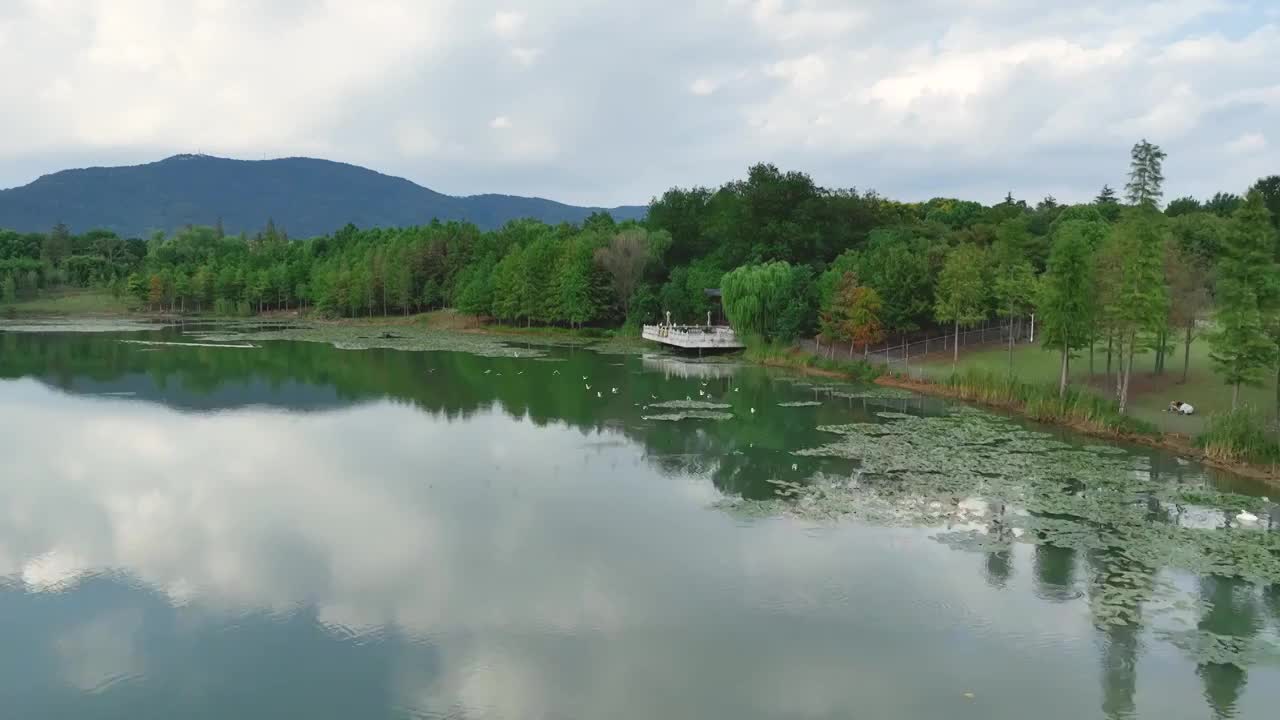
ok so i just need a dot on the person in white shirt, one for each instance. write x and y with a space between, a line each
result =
1177 406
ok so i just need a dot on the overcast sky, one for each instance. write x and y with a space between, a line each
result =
604 102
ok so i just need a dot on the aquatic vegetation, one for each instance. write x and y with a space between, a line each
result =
1040 490
390 337
79 325
876 392
799 404
241 346
689 405
689 415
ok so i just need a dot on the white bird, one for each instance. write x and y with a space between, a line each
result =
735 389
588 387
655 397
1247 518
584 377
555 372
598 394
615 391
795 466
431 371
520 373
486 372
700 393
753 411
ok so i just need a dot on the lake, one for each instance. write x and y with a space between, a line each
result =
293 529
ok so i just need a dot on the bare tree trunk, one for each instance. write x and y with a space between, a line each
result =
1093 340
1119 367
1110 341
1186 356
1011 341
1278 395
955 350
1128 370
1062 379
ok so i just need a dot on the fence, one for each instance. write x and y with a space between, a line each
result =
899 357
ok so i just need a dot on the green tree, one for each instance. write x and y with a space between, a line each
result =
1066 301
1146 174
896 264
57 245
182 290
1135 297
155 291
1188 279
757 299
1182 206
8 289
1224 205
1013 285
1269 188
960 297
575 283
508 281
1248 289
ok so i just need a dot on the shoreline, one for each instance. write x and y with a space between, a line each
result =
1172 442
447 321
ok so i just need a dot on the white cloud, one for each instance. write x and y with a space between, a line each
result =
703 86
507 23
502 122
1247 144
869 94
525 56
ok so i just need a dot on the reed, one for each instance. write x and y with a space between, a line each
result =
1042 402
1239 436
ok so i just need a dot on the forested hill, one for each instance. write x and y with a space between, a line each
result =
303 196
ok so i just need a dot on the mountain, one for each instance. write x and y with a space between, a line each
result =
304 196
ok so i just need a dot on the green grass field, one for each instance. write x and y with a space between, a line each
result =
1149 394
74 302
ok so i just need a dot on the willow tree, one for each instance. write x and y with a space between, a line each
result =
756 296
960 297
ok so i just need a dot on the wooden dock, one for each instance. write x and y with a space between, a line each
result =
693 337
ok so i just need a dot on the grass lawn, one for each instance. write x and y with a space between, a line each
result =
1149 394
73 302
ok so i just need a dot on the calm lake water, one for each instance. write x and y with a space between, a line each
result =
296 530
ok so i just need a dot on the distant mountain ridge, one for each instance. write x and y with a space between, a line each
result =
304 196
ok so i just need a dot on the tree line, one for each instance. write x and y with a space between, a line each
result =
1117 276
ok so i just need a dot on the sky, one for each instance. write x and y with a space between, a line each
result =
604 102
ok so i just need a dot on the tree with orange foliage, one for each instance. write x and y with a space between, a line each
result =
853 314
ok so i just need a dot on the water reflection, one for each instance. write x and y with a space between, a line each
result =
445 542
